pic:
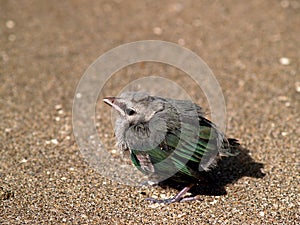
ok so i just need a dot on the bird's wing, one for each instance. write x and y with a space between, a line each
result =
191 155
188 146
180 152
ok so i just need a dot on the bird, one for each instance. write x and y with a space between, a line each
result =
168 139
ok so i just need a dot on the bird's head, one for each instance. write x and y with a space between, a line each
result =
135 107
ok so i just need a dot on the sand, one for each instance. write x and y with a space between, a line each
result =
252 48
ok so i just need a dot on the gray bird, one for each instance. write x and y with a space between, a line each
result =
168 139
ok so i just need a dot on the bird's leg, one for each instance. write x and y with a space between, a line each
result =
180 195
177 198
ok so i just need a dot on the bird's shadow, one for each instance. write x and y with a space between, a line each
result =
228 171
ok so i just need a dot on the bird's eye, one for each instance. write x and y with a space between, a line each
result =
130 111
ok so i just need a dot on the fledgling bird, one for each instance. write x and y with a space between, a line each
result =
168 139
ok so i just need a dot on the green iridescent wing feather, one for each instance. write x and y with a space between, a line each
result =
184 153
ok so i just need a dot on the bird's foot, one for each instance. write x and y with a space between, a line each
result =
178 198
190 199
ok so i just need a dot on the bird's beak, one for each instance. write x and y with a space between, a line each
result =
109 100
113 102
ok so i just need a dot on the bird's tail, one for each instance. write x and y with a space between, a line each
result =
230 147
233 142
